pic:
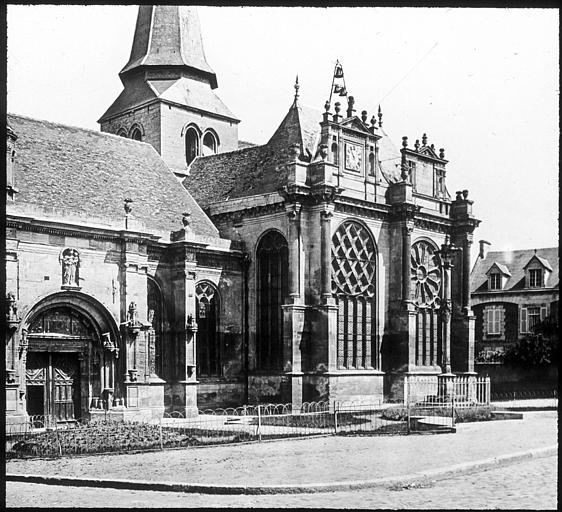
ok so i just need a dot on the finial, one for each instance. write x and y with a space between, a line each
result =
432 147
424 139
465 194
417 145
185 218
535 251
373 121
404 142
380 116
458 194
442 154
350 103
327 106
297 87
127 205
364 116
337 107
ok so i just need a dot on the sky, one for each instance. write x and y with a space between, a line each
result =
481 83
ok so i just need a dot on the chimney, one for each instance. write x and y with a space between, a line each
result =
484 246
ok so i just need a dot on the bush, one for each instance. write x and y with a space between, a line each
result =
462 414
539 348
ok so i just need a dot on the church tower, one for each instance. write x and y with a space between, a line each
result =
168 98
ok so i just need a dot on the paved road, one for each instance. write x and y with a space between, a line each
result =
526 485
319 460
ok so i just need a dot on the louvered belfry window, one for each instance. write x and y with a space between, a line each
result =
272 292
354 286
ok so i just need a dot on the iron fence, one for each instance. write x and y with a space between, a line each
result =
526 397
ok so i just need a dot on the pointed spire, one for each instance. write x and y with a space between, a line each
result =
169 35
297 87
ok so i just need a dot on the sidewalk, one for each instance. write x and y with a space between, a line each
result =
524 404
316 461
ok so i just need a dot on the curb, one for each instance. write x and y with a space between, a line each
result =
419 477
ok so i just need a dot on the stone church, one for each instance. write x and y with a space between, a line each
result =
161 264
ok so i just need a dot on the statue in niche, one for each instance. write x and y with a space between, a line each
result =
11 307
133 314
70 261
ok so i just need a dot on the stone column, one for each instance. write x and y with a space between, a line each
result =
326 215
446 317
467 242
293 313
407 229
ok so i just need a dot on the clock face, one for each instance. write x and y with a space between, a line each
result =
353 157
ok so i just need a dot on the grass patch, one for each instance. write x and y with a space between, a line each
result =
462 415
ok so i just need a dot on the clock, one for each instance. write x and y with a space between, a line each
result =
353 157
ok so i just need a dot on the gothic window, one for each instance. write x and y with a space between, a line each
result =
122 133
425 275
136 134
272 290
154 316
210 144
354 285
191 145
208 345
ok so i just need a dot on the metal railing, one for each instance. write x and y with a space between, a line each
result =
464 391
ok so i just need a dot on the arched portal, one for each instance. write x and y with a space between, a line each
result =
69 349
208 340
354 285
191 145
272 290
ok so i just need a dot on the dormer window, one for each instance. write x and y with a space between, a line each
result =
535 277
495 281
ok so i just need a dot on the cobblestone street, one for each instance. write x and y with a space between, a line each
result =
527 485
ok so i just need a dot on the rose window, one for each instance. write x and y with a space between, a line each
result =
353 260
425 274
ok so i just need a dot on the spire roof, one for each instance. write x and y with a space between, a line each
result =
169 35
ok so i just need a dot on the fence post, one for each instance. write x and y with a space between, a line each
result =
160 433
406 390
488 390
408 415
335 418
259 423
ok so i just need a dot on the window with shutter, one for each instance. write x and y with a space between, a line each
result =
493 318
523 323
543 313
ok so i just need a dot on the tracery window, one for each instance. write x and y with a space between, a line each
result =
425 275
154 305
136 134
208 341
354 286
272 291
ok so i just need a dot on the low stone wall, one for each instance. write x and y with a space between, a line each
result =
506 378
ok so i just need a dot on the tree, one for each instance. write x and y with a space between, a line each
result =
539 348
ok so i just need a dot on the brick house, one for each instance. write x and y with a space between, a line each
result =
163 264
511 291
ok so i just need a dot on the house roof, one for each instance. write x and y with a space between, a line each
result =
515 261
255 170
502 268
92 173
543 261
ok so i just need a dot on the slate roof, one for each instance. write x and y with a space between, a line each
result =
92 172
169 35
502 268
253 170
515 261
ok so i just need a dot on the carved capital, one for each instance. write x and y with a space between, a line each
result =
327 213
293 211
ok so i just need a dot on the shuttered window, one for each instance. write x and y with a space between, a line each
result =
494 316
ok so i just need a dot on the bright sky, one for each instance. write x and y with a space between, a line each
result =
482 83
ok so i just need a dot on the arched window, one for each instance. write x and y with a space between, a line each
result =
371 163
354 285
191 145
136 134
425 292
272 290
208 339
154 305
122 133
210 144
334 153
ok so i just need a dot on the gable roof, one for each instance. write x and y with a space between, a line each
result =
516 261
543 261
255 170
502 268
92 173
